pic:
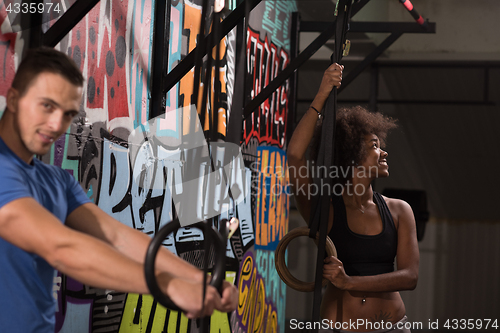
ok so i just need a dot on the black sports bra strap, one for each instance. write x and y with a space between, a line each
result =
383 208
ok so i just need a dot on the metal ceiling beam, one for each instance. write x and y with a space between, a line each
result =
374 27
178 72
370 58
395 28
298 61
484 66
357 6
229 23
416 101
440 63
67 21
285 73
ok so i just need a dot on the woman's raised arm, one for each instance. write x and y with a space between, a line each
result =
302 136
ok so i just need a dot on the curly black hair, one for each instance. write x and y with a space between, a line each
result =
352 124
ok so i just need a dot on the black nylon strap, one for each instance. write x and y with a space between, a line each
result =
235 122
321 206
213 115
234 125
205 322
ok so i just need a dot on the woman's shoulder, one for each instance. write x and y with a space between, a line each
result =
400 209
396 204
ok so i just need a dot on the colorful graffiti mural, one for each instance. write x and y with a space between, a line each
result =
264 62
261 295
9 47
137 181
184 29
104 162
271 218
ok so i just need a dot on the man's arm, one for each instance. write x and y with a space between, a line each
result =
91 220
29 226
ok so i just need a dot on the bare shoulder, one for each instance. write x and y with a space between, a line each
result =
400 210
396 205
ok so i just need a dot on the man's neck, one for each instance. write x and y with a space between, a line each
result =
12 140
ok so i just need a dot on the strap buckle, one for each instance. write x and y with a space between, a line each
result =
346 48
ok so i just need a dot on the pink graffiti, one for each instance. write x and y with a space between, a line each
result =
106 54
7 55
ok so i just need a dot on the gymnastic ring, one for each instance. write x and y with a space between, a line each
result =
279 259
218 274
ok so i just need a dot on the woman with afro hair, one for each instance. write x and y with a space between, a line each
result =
369 230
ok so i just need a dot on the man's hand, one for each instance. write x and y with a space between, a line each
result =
187 295
229 297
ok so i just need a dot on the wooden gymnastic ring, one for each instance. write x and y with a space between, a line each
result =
279 259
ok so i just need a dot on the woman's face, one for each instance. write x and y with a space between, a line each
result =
374 164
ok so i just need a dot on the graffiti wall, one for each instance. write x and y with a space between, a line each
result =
135 168
262 295
11 45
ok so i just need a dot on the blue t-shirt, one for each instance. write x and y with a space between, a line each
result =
27 303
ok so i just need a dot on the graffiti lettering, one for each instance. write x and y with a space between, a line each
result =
271 220
264 63
137 183
181 96
276 20
274 287
255 313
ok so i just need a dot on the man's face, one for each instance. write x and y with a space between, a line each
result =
44 112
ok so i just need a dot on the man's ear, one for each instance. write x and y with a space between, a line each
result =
12 99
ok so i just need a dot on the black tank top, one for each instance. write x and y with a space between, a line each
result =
364 254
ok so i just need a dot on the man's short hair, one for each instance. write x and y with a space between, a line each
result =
43 60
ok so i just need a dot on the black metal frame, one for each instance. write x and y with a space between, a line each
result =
396 30
160 57
163 82
67 21
377 66
294 51
187 63
301 58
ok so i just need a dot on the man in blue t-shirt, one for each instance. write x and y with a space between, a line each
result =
47 221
